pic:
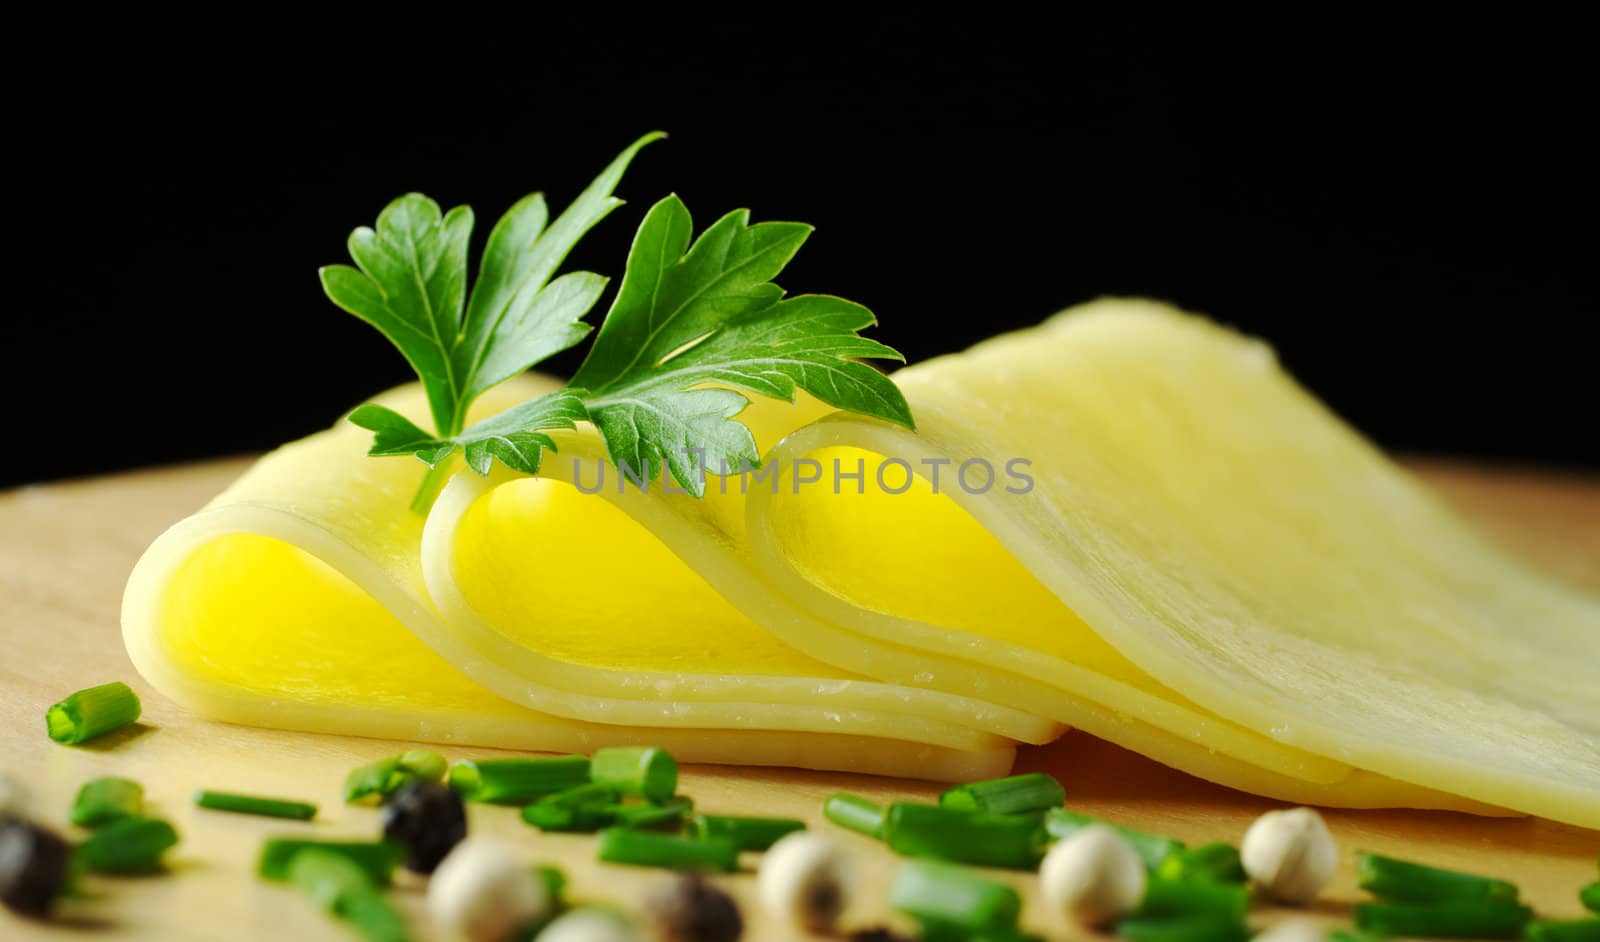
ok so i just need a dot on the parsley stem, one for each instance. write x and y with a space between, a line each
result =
92 712
432 483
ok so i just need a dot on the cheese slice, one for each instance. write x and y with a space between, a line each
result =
1204 564
297 599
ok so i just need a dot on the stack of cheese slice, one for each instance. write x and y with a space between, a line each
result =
1190 557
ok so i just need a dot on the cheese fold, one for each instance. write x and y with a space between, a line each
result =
1204 566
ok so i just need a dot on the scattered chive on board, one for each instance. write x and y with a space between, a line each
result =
378 859
1401 881
250 804
1562 930
510 781
971 837
649 849
669 813
127 846
1590 897
1193 899
343 888
92 712
855 813
636 771
1153 849
104 800
386 776
951 902
744 833
1196 929
1454 919
1033 791
1216 861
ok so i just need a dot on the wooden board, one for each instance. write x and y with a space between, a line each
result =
66 549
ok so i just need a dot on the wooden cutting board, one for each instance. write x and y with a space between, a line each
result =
66 549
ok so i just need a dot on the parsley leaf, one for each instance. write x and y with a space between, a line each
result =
410 283
688 315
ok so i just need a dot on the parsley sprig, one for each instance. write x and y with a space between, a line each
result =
695 324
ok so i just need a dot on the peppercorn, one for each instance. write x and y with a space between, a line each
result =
34 866
428 819
692 910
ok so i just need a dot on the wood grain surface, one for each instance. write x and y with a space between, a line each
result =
65 550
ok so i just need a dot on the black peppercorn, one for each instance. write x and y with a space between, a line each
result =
428 819
692 910
33 866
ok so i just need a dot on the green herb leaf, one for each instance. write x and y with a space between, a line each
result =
410 283
691 315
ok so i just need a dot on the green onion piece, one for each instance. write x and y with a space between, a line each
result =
92 712
589 793
1181 899
554 880
376 858
1562 930
953 903
341 887
1217 862
744 833
972 837
1401 881
127 845
855 813
511 781
1461 918
1353 935
1153 849
639 771
646 848
249 804
423 763
1198 929
665 814
1034 791
1590 897
104 800
569 818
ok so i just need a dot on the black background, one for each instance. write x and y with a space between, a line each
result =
1407 214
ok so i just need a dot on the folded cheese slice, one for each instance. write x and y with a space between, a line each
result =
1203 564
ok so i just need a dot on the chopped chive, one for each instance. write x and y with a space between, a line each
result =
386 776
952 902
341 887
1460 918
744 833
1153 849
1353 935
1562 930
92 712
569 818
510 781
1179 899
589 793
626 845
971 837
638 771
1590 897
250 804
1217 862
1197 929
377 858
127 845
855 813
1401 881
554 880
665 814
103 800
1034 791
